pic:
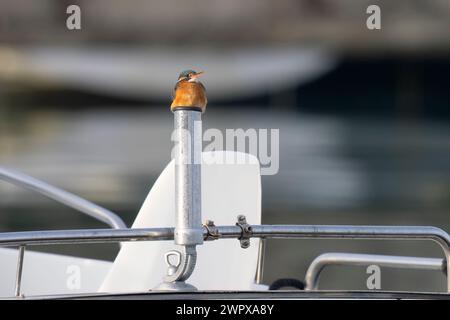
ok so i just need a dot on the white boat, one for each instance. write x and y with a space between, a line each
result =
198 234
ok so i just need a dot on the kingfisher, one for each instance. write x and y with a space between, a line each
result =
189 92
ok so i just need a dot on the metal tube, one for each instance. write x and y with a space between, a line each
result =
228 232
258 231
360 232
188 134
352 259
21 254
188 192
62 196
260 265
9 239
348 232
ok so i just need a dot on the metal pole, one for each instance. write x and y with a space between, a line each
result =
260 265
225 232
19 271
347 232
188 231
352 259
188 128
35 238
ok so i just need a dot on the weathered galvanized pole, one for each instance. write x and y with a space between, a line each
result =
188 196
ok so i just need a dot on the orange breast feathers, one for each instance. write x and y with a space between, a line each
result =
189 94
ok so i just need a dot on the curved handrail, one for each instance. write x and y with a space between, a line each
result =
62 196
25 238
355 259
348 232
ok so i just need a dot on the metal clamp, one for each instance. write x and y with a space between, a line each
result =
246 231
212 233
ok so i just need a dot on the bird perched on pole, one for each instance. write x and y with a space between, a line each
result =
189 92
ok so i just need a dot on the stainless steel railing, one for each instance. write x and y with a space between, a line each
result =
62 196
353 259
27 238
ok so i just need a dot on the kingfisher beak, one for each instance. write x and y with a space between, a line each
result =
197 75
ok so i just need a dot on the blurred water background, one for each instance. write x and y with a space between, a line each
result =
364 115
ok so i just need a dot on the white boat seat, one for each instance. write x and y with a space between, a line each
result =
229 188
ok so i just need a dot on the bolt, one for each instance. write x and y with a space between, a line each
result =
241 218
245 244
